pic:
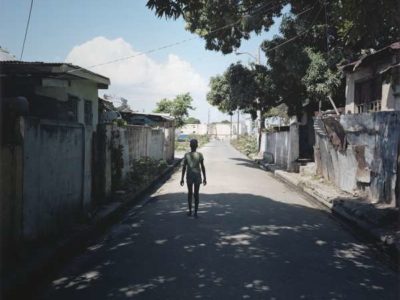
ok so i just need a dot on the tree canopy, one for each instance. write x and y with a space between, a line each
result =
315 36
192 120
352 24
178 108
247 88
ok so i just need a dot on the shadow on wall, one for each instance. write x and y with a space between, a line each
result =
242 247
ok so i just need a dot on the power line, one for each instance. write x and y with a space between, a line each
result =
26 30
296 36
173 44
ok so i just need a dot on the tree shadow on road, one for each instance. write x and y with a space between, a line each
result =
243 246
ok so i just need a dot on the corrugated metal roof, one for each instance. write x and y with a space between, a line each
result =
51 68
351 67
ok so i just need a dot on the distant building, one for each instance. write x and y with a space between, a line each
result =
200 129
373 82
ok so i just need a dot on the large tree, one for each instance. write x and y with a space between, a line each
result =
353 24
178 108
314 37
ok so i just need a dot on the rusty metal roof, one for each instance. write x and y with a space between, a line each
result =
389 50
54 69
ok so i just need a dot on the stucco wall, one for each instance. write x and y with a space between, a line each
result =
10 198
82 89
127 144
369 162
390 98
281 148
56 175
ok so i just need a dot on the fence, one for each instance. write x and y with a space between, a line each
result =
361 153
124 146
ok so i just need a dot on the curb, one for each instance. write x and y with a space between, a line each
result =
381 240
35 272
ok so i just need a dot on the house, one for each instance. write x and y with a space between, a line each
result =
49 117
373 82
54 91
359 151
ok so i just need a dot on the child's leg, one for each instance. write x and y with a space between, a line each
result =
190 194
196 197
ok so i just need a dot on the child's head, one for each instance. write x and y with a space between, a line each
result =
193 144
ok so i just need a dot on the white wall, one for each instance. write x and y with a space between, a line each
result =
200 129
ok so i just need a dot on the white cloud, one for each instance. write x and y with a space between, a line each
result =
140 79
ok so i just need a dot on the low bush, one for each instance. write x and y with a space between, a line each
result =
246 144
144 170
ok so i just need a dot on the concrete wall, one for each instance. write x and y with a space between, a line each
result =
56 175
127 144
82 89
10 195
369 163
194 129
390 89
281 148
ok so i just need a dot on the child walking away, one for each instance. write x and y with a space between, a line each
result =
192 162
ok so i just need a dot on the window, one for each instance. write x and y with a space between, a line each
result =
88 112
368 95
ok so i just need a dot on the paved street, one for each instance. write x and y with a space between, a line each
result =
254 239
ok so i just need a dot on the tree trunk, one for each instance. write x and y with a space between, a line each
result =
260 130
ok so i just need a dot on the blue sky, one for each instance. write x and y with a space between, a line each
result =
125 27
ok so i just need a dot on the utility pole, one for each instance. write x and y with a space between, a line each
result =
231 127
238 112
208 120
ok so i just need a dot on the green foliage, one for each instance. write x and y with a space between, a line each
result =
246 88
184 146
226 122
353 24
320 81
178 108
314 37
220 94
246 144
144 170
192 120
278 111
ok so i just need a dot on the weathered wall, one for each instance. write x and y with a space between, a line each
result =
369 162
10 198
82 89
169 144
127 144
281 148
56 175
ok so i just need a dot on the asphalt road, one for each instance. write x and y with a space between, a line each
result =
254 239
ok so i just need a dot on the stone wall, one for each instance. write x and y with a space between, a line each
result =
366 158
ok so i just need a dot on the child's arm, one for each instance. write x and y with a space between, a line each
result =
203 169
183 171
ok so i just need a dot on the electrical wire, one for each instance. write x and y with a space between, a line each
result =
26 30
296 36
176 43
